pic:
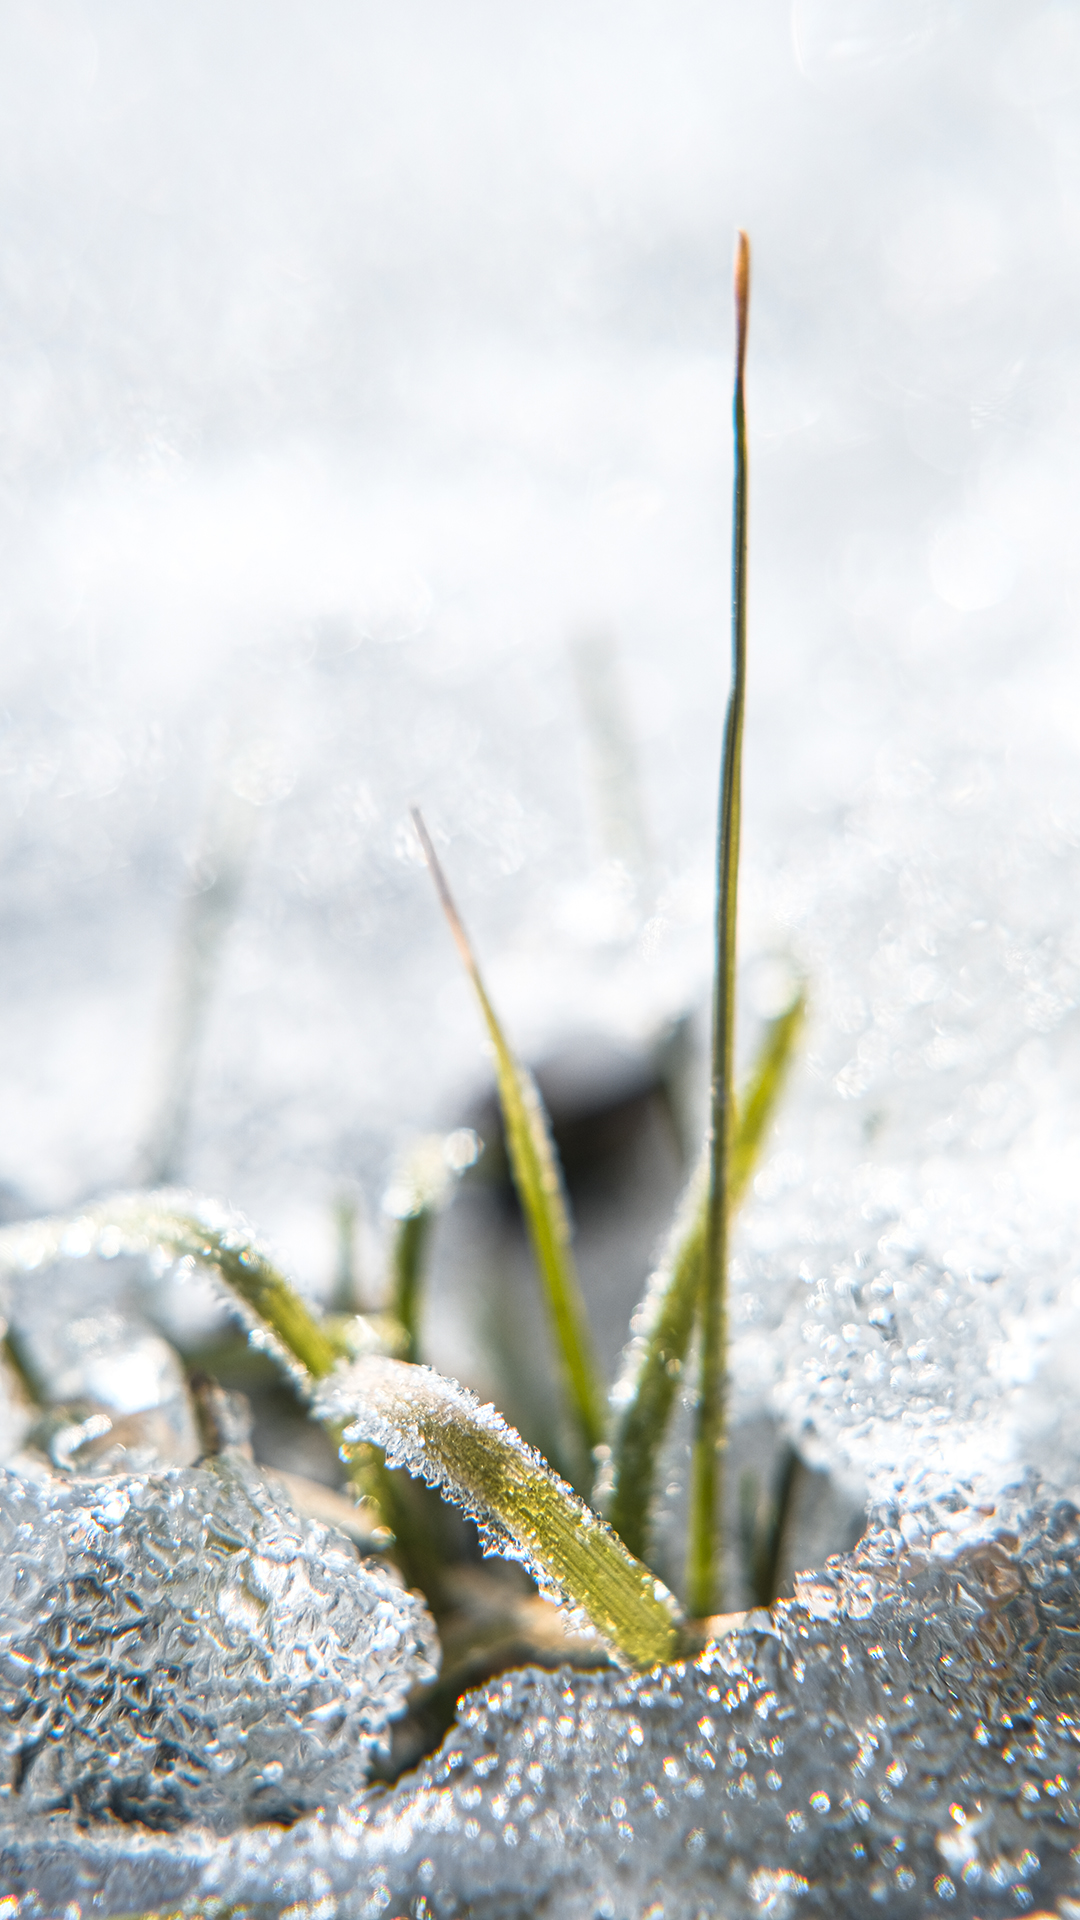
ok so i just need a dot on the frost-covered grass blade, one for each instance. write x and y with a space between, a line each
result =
441 1433
535 1170
210 1238
187 1229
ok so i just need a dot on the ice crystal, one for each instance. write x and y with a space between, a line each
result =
901 1738
183 1648
905 1732
81 1333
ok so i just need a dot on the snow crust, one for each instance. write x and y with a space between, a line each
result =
182 1649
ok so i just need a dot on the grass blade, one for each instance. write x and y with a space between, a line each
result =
536 1176
763 1522
205 922
441 1433
222 1245
419 1191
211 1238
759 1099
647 1390
656 1361
705 1543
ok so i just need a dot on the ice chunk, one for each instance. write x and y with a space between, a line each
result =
77 1325
905 1733
185 1648
901 1738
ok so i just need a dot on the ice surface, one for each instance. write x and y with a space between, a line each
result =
183 1648
902 1738
80 1333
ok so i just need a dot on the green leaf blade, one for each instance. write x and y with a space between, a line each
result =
657 1359
217 1242
441 1433
536 1175
668 1313
706 1503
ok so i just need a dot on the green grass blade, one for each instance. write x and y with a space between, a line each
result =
221 1245
420 1189
764 1520
536 1175
665 1324
211 1238
441 1434
706 1504
408 1258
646 1393
760 1097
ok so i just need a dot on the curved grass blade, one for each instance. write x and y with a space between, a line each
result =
442 1434
536 1176
706 1507
665 1320
222 1245
211 1238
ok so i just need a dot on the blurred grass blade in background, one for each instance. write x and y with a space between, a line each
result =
706 1500
759 1099
614 759
535 1170
441 1433
207 915
420 1188
645 1395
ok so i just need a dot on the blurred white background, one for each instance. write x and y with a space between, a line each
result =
358 362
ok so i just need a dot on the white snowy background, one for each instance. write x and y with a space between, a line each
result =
355 363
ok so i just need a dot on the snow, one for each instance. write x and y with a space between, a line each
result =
357 371
180 1649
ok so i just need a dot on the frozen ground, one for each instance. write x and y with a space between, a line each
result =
356 367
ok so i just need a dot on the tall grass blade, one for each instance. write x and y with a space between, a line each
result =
760 1097
536 1176
705 1542
441 1433
665 1321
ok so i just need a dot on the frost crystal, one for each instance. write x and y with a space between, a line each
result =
902 1738
83 1338
905 1733
183 1648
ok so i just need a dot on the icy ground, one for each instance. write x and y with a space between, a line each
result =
901 1738
354 366
184 1649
